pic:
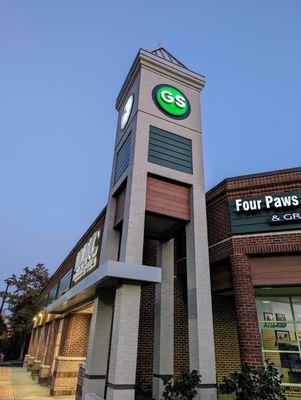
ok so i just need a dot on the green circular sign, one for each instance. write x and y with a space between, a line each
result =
171 101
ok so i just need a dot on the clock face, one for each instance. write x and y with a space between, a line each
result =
126 111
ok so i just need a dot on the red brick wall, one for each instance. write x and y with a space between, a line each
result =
239 248
247 321
254 185
75 335
218 219
181 344
145 354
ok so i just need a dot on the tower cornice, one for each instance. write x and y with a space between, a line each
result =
147 60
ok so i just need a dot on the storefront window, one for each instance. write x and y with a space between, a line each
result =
280 328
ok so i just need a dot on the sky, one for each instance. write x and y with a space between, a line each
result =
62 63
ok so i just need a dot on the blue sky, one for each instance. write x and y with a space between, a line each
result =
62 63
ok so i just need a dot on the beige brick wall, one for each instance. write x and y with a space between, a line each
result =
65 375
225 335
75 335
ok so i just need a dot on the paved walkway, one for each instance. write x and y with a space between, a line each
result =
17 384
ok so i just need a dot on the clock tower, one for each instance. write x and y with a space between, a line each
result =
156 191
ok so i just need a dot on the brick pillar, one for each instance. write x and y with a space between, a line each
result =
98 347
38 342
123 356
57 342
73 349
45 368
54 346
245 306
39 354
30 346
34 345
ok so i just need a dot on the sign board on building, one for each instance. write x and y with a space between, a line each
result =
86 258
266 213
171 101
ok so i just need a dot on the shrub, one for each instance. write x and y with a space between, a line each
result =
254 384
183 387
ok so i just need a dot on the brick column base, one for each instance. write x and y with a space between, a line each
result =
80 381
25 360
36 368
49 379
43 374
29 363
245 306
65 375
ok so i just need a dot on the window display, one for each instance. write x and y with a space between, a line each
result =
279 321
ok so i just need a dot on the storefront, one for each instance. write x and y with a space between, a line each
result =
255 246
279 322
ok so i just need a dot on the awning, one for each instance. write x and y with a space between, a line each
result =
108 275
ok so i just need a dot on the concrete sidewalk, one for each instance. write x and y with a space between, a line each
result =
17 384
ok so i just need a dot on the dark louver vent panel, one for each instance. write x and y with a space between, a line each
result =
122 158
170 150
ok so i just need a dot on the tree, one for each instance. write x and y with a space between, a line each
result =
21 299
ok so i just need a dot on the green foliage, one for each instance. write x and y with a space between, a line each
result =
183 387
2 326
143 393
254 384
22 303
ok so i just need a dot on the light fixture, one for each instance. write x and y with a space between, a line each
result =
266 301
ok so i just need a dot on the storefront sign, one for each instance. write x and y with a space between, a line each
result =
267 202
171 101
86 258
285 218
268 213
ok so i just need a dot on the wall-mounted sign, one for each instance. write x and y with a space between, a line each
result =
86 258
171 101
267 213
126 112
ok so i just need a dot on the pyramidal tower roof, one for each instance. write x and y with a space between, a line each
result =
161 52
